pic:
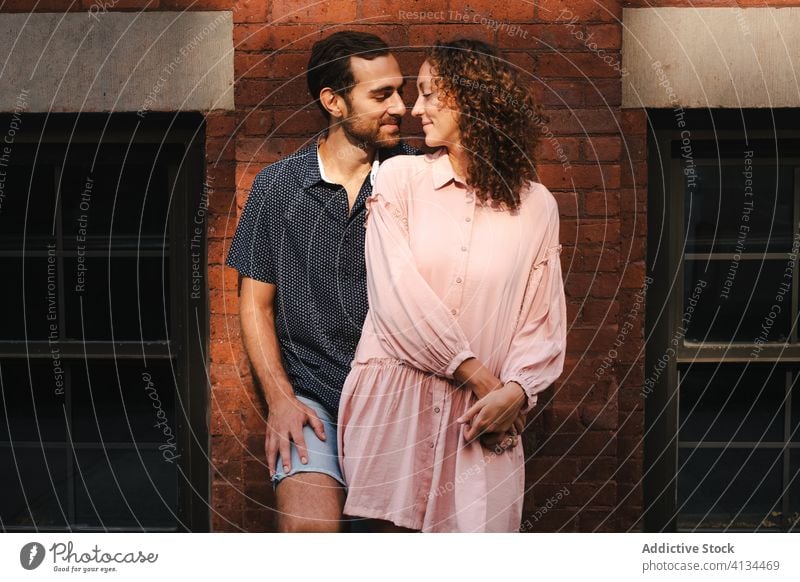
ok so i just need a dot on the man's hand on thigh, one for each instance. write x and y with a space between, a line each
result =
285 423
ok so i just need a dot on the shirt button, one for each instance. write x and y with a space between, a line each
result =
436 409
431 445
458 280
469 219
464 249
469 199
454 311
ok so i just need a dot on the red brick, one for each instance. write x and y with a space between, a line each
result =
584 121
585 10
425 35
243 10
602 149
263 93
271 66
220 124
228 424
600 312
553 149
227 502
602 93
590 230
599 416
634 148
539 37
594 339
221 226
604 36
567 204
601 203
501 12
220 149
274 36
554 520
634 121
224 376
223 327
285 11
220 277
266 151
303 122
577 64
257 122
557 93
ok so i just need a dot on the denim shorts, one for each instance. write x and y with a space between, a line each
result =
323 456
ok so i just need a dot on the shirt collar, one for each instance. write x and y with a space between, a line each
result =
442 170
315 171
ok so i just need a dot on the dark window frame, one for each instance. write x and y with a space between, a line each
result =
665 307
188 344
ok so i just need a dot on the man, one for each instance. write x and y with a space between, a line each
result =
299 249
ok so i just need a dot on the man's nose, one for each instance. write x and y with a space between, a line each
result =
397 107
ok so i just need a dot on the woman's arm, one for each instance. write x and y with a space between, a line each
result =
409 317
536 356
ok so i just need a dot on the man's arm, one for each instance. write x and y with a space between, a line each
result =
287 415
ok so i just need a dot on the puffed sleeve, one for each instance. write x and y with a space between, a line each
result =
536 357
408 316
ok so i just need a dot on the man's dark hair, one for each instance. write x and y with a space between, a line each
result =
329 65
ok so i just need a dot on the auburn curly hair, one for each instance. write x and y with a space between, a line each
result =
497 117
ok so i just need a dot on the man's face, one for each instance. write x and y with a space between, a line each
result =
374 107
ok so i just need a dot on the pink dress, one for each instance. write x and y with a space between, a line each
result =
448 279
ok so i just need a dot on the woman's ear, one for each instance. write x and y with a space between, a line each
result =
332 102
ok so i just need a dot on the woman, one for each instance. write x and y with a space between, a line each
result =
467 319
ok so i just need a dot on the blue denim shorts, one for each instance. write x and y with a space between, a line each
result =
323 456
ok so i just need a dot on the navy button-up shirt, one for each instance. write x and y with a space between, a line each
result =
296 232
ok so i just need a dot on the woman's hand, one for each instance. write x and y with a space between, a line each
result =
496 412
501 440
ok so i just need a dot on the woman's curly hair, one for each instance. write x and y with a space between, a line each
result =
497 117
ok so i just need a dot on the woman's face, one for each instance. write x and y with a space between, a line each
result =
439 122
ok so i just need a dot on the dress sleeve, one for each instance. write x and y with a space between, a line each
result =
407 315
536 357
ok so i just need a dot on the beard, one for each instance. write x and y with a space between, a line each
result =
367 133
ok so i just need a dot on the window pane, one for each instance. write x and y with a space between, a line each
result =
731 402
136 405
126 201
724 489
794 491
719 217
127 489
37 495
131 295
25 294
745 303
27 204
794 427
33 402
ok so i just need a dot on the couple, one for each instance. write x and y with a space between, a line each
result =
399 360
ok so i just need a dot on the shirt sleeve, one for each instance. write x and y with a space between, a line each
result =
536 357
407 315
253 245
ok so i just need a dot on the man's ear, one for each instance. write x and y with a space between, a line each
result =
332 102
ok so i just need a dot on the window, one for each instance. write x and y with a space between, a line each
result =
722 396
103 392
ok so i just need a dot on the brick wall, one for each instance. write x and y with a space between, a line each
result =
586 437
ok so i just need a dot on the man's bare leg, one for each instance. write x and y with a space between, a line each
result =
309 502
